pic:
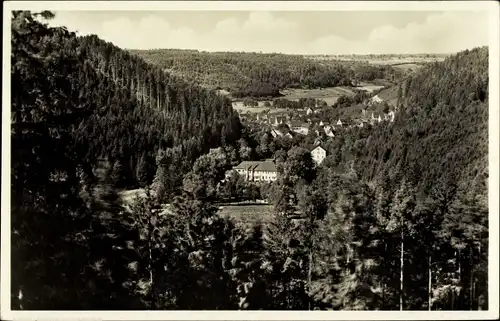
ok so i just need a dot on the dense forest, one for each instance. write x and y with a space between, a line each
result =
396 218
261 75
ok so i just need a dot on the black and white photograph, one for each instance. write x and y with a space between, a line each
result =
300 159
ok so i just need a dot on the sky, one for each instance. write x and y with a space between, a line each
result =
306 32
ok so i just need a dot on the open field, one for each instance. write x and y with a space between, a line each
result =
389 95
369 87
406 67
382 59
247 214
329 95
239 107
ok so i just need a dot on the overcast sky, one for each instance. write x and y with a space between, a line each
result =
308 32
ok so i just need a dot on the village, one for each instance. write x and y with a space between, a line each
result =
305 121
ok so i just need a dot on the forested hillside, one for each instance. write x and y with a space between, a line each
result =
261 75
445 104
132 109
398 212
79 105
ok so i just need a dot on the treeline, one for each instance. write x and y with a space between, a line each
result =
260 75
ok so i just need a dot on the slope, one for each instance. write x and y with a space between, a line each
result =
440 133
261 75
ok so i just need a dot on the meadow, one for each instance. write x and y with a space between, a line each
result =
247 214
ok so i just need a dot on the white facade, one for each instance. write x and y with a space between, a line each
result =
264 176
318 155
309 111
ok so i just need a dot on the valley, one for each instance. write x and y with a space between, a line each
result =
172 179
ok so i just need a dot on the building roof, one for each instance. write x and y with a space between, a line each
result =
267 166
246 165
319 147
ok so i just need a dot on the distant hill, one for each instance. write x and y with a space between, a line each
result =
384 59
261 75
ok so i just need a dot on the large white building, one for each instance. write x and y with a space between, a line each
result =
318 154
257 171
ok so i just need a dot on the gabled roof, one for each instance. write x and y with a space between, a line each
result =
267 166
246 165
319 147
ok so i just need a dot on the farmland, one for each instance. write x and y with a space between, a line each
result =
329 95
392 60
241 108
247 214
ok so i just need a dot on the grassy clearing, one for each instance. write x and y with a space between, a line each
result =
390 95
406 67
239 107
329 95
247 214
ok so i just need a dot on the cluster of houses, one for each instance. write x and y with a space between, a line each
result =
329 129
321 128
266 171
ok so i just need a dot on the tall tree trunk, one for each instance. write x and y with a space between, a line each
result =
401 274
460 279
309 276
471 293
150 268
430 285
384 262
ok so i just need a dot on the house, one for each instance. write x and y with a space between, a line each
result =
339 123
379 119
329 131
318 154
257 171
376 100
309 111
